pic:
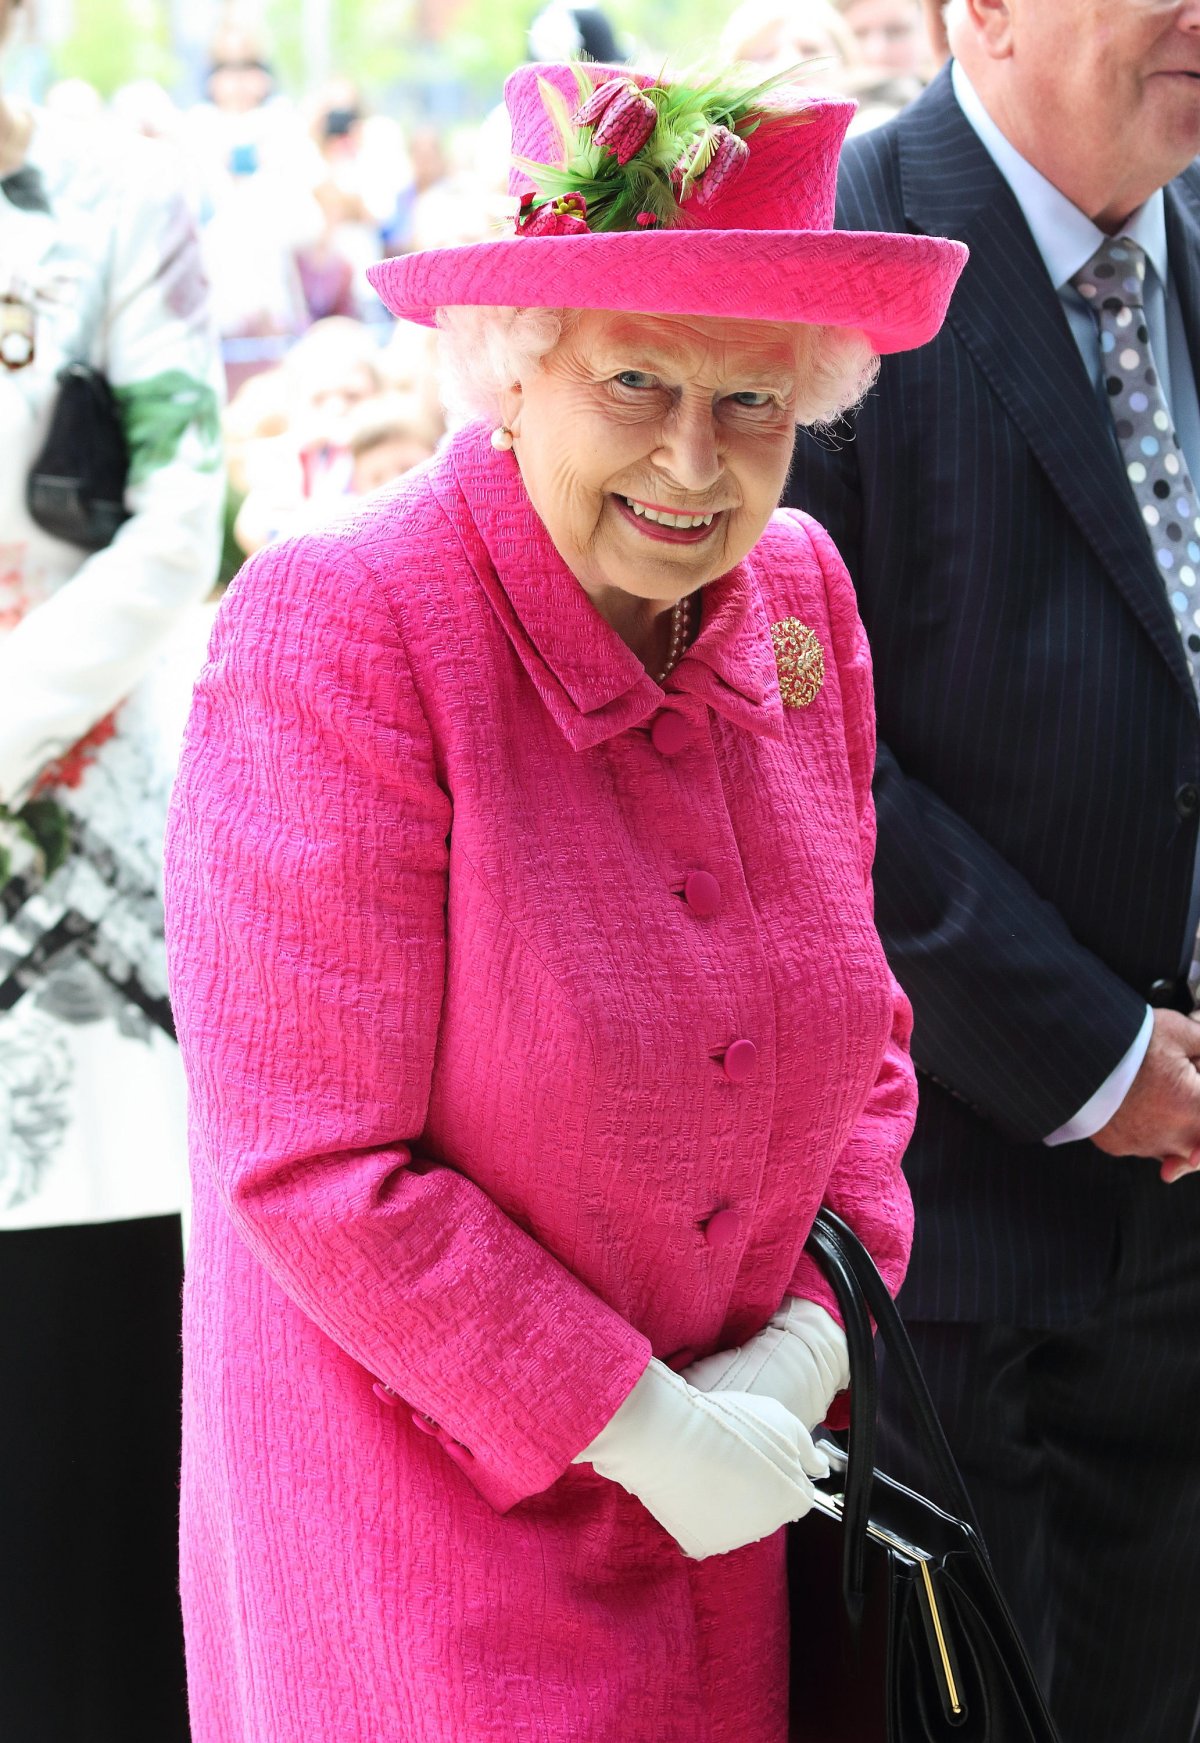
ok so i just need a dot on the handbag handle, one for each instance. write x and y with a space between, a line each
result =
860 1290
825 1247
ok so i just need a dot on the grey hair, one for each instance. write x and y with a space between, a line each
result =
483 350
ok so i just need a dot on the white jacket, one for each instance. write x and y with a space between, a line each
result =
96 234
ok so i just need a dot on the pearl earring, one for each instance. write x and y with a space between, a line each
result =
502 438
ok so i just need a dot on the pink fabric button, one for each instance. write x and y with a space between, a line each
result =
702 893
425 1423
740 1061
385 1395
723 1228
670 733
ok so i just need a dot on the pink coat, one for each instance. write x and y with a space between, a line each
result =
465 918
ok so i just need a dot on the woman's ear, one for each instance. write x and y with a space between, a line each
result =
511 400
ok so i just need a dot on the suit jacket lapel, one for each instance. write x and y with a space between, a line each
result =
1007 313
1182 200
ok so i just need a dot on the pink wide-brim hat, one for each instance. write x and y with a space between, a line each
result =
762 249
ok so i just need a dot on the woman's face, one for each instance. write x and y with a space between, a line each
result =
690 419
890 34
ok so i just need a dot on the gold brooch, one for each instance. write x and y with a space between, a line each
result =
801 662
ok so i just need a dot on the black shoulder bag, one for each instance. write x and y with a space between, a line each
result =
76 487
900 1633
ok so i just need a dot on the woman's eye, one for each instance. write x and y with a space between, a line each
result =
636 378
754 401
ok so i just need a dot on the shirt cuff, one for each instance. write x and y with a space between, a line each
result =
1100 1108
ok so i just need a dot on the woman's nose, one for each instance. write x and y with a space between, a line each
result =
689 452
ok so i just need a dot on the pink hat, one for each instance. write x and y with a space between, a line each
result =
645 196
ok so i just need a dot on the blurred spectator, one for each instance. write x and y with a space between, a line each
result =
388 436
99 266
350 424
258 206
564 33
777 34
428 174
891 36
358 168
894 57
144 107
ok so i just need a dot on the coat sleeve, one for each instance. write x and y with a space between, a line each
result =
75 657
867 1185
1014 1016
307 870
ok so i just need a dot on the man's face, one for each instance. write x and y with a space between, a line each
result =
1113 85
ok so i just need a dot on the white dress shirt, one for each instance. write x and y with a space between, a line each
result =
1066 239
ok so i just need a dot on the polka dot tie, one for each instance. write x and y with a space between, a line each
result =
1113 283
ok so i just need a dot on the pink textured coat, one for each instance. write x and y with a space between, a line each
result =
454 1007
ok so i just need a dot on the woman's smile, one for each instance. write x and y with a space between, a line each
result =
668 526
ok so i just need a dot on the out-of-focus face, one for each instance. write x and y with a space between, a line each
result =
339 387
239 81
656 449
890 35
1102 95
388 459
783 44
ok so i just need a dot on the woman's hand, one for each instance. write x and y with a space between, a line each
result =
800 1359
716 1472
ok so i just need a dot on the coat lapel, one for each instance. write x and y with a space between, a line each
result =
1008 315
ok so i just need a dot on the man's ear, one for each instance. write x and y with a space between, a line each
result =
989 21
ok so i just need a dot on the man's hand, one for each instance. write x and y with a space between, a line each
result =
1160 1115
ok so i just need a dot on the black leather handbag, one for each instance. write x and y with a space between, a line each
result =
900 1633
76 486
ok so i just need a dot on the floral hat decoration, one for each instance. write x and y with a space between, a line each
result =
688 197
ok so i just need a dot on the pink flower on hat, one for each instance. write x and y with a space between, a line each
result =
564 217
591 109
621 118
727 161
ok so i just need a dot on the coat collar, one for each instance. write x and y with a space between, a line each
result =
1009 316
592 684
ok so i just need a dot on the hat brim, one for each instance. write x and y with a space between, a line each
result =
895 288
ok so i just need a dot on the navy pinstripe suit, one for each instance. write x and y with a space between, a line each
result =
1038 792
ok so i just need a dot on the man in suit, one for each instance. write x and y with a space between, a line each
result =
1017 505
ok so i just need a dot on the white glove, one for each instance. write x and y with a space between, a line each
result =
716 1472
800 1358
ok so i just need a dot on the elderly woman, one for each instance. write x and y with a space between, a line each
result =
527 981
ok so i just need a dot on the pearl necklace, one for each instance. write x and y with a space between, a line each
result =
681 635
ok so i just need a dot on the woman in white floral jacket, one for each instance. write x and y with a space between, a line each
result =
99 264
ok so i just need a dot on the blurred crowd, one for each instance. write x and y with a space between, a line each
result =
296 198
